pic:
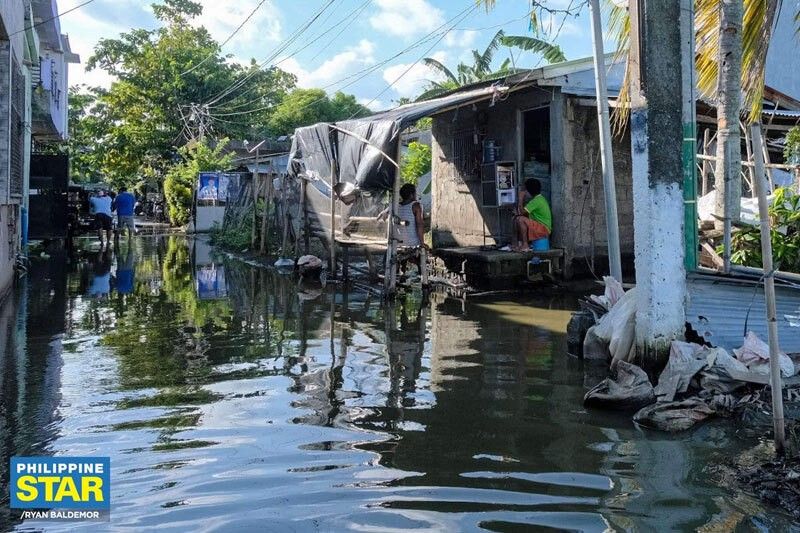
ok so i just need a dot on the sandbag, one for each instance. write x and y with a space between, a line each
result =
685 361
717 375
629 389
614 331
673 416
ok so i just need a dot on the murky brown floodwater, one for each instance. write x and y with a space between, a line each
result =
229 400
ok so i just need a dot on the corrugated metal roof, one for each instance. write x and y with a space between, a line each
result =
719 308
782 113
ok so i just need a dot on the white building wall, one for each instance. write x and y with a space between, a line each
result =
783 61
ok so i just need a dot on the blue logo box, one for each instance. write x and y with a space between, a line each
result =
61 482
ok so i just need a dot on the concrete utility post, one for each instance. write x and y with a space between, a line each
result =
656 143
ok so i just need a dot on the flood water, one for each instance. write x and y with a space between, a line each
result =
229 399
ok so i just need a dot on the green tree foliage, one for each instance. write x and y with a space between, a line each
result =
160 74
303 107
784 214
416 162
180 181
791 150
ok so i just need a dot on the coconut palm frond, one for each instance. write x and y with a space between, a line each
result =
433 64
505 66
551 53
619 27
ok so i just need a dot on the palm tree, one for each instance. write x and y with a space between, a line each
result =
481 68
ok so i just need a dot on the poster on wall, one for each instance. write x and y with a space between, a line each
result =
208 188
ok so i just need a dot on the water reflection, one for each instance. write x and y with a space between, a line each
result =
230 397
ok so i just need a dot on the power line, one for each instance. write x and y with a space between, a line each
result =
350 17
231 36
412 65
437 32
23 30
235 85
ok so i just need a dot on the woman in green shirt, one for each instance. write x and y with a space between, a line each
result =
533 220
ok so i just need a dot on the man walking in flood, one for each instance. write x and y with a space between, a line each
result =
100 207
124 204
533 220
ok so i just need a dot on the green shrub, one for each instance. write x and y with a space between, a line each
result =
416 163
784 214
181 179
235 238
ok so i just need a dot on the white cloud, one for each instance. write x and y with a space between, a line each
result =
461 39
374 105
406 18
222 17
333 69
413 82
556 26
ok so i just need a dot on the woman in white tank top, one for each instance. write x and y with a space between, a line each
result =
411 231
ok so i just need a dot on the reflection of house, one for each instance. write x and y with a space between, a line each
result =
34 58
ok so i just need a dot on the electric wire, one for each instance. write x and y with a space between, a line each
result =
349 17
438 32
226 41
45 21
288 42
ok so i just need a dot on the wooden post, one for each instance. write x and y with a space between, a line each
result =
423 266
769 293
706 164
767 166
265 216
334 181
306 236
254 225
390 274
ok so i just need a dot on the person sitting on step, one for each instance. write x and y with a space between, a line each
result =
533 219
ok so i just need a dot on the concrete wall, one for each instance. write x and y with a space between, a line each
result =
577 200
12 21
581 227
9 216
783 61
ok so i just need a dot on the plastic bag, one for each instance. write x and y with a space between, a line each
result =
755 354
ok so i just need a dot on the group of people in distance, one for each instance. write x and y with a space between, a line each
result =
102 205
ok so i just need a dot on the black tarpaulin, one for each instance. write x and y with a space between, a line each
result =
360 163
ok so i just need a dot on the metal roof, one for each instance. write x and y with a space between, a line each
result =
720 309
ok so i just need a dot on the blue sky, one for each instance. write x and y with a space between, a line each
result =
377 31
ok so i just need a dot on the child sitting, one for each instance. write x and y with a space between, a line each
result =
533 220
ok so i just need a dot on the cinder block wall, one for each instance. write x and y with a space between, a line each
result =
584 226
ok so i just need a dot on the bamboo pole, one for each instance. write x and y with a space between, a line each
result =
390 275
769 293
706 164
607 157
748 143
265 216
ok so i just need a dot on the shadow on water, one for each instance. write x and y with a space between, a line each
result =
227 396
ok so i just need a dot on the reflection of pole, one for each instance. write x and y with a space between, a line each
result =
607 157
769 292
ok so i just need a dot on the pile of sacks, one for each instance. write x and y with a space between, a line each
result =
697 382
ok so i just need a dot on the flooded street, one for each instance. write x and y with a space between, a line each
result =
229 399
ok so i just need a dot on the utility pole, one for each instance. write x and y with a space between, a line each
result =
606 153
656 144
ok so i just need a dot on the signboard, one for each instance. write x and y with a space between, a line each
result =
208 188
